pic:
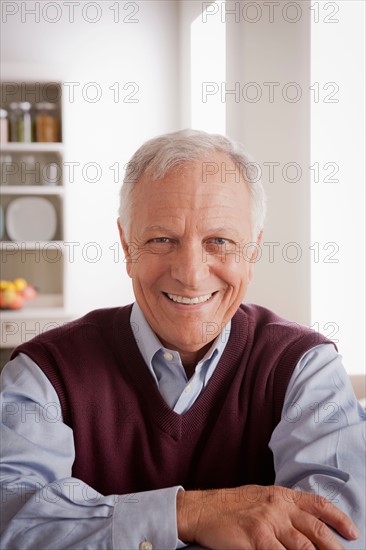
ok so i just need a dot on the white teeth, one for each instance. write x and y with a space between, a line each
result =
184 300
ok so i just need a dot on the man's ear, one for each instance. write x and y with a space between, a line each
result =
255 255
125 247
258 242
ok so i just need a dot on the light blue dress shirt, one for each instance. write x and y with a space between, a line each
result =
318 446
166 366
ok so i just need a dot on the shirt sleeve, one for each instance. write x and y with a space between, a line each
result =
42 505
319 444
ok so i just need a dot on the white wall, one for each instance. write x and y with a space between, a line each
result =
106 132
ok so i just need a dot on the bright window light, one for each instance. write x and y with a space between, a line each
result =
338 177
208 70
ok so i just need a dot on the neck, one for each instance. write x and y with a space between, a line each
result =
191 358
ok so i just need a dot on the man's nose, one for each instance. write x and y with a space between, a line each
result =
190 266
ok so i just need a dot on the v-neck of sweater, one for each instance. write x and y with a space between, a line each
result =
177 425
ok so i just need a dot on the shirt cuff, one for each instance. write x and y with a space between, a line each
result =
149 517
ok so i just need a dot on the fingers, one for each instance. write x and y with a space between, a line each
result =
271 543
317 532
292 538
323 509
260 536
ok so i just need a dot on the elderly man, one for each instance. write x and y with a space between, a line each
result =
186 417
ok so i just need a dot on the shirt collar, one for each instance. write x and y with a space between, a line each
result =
148 343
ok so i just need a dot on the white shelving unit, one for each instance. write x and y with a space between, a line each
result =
31 190
32 147
25 172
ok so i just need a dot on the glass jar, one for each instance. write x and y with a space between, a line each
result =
4 127
47 123
20 121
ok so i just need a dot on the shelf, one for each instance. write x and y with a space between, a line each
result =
18 326
20 147
28 312
32 190
29 245
40 304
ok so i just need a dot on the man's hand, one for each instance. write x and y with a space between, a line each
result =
260 517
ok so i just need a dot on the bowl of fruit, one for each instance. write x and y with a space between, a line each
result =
14 294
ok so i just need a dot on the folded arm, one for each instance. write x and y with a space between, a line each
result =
42 505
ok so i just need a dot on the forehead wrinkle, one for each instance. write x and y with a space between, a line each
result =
207 219
202 191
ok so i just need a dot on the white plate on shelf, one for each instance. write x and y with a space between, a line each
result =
31 219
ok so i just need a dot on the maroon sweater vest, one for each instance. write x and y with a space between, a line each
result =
127 439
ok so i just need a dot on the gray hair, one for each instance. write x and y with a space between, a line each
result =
161 154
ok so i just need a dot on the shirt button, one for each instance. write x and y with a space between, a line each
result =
188 388
146 545
169 357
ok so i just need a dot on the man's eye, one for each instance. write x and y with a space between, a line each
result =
219 245
160 245
218 241
160 240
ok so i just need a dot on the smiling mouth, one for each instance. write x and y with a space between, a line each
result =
189 301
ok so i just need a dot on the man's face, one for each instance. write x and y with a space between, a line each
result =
187 244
